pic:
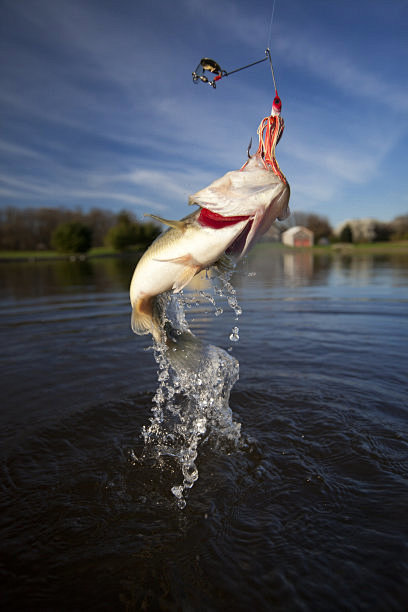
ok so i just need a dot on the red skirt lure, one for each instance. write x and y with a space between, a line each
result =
270 131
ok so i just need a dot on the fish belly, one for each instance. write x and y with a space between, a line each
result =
153 277
175 256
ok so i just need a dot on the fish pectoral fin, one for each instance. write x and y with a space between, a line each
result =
185 276
183 259
190 269
180 225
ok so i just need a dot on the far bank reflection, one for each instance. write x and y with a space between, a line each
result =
272 266
298 266
301 267
42 278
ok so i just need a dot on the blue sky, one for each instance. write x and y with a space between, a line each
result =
98 108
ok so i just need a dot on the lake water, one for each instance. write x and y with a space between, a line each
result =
307 510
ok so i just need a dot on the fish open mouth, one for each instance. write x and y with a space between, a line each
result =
207 218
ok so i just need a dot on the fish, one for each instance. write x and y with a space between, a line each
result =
233 212
170 263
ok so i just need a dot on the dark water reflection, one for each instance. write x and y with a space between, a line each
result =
42 279
309 513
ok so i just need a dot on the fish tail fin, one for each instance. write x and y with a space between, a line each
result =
185 351
145 318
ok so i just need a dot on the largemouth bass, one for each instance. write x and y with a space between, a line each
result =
234 211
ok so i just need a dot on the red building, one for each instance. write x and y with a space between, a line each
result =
298 236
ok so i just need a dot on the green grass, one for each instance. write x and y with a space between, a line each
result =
46 255
398 246
28 255
110 252
102 252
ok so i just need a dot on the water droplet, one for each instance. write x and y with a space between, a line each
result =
200 425
190 474
177 491
234 336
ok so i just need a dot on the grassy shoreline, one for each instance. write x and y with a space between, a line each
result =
381 248
97 252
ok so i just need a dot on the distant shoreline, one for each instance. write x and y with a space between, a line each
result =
342 248
38 256
392 247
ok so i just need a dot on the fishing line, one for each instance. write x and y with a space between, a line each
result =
268 41
268 51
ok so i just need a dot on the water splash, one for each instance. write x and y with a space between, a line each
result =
191 403
223 288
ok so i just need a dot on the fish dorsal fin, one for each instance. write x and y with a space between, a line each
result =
179 225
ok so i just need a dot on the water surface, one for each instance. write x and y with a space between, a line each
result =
307 512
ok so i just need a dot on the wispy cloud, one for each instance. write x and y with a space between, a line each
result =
10 148
26 190
341 70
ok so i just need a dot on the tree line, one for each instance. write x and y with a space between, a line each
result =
71 231
355 230
371 230
76 231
